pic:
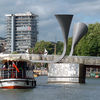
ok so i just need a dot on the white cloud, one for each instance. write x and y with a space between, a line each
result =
84 11
18 3
39 10
44 23
86 7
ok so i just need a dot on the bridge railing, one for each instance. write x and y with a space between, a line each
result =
88 60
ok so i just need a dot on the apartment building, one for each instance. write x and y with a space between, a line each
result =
22 31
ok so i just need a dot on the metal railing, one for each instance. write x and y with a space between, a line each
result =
6 73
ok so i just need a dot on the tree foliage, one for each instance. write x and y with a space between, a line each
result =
90 43
59 47
50 47
69 46
41 46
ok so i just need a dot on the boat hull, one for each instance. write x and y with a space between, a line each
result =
17 83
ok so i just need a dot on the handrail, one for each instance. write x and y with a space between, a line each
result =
10 73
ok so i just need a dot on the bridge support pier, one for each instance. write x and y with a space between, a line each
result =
66 73
82 73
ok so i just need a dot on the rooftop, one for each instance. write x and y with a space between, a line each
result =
22 14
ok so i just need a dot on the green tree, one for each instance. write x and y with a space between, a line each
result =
59 47
90 43
50 47
69 46
15 52
41 46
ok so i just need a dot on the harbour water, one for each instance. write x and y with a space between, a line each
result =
45 91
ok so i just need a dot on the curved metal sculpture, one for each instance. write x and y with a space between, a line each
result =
80 29
64 21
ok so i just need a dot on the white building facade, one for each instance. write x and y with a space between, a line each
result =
22 32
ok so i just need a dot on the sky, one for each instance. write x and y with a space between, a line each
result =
86 11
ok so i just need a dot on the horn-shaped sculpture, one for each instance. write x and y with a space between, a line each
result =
80 29
64 21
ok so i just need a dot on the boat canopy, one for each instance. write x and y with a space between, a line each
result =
6 59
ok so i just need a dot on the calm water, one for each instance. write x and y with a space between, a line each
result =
44 91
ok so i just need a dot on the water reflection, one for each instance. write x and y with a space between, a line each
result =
44 91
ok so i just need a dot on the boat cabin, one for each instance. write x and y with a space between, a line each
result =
15 69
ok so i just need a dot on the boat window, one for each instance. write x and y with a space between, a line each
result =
1 65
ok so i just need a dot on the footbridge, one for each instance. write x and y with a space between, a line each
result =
70 69
86 60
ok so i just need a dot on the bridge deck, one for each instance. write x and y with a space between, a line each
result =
86 60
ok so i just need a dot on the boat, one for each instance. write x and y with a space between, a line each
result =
95 75
36 75
16 74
